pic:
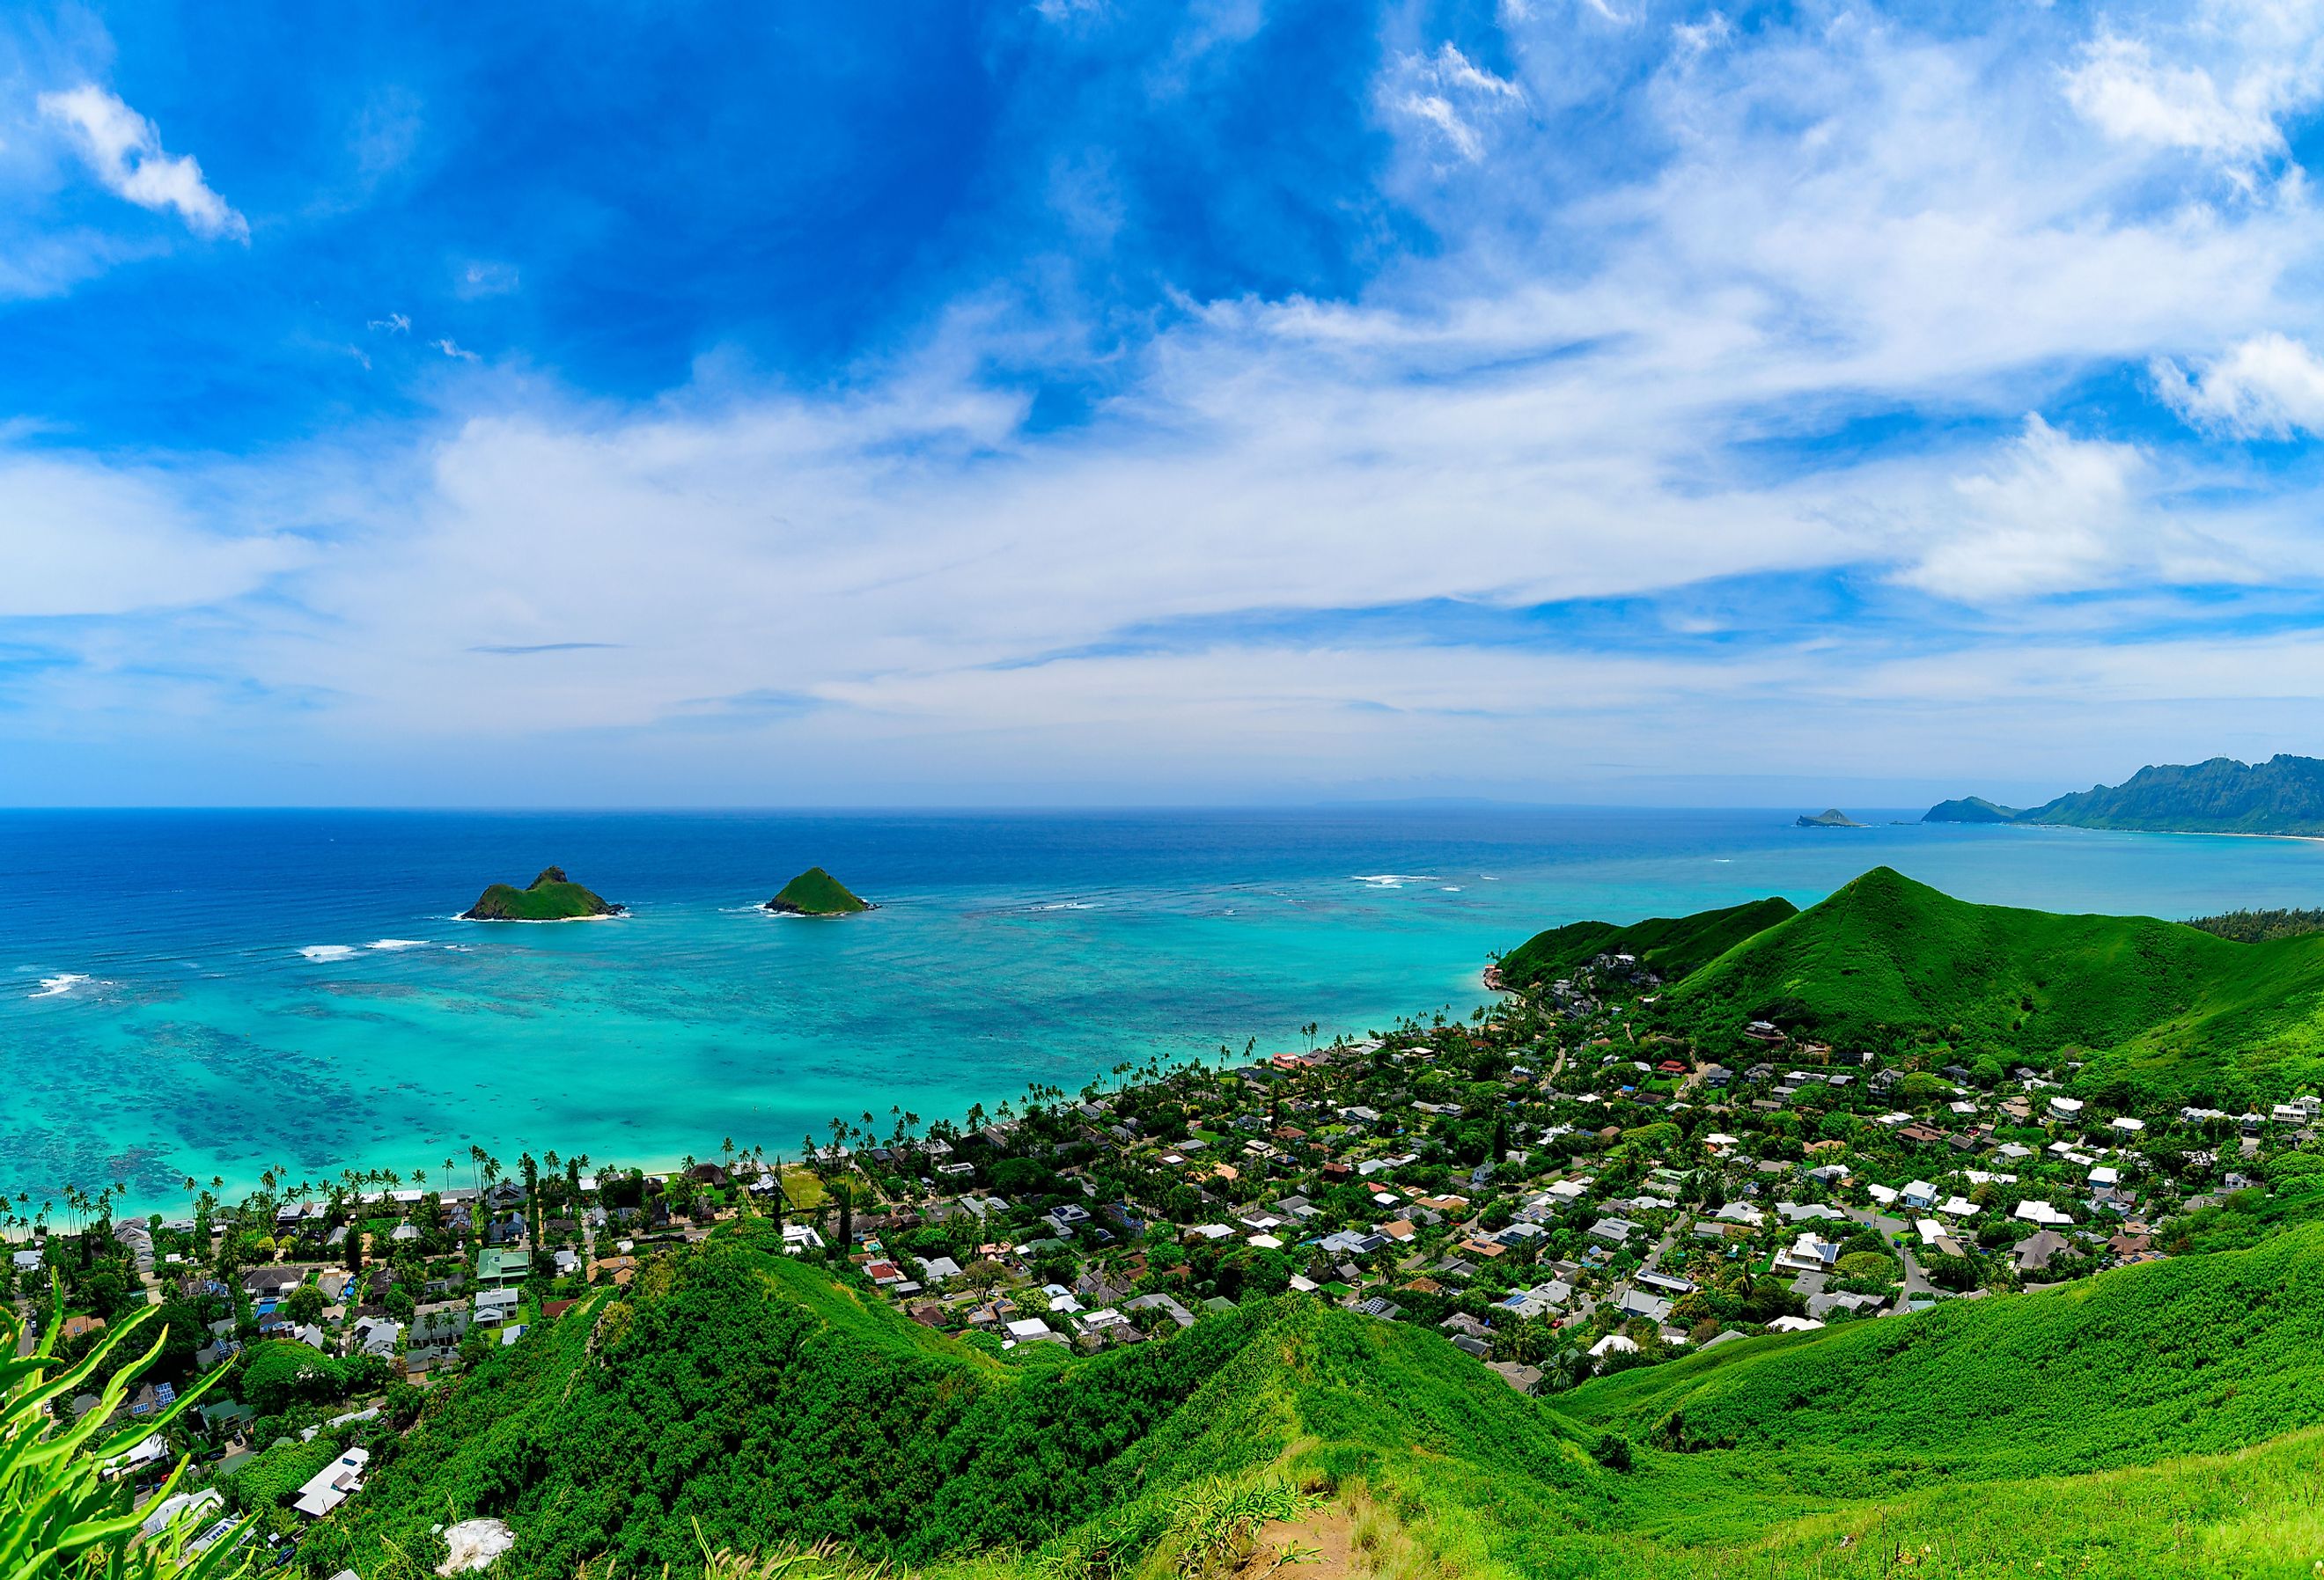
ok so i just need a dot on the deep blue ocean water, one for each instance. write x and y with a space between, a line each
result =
217 993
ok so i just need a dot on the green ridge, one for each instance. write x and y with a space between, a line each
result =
1969 809
551 897
1669 947
816 892
2284 795
2161 1012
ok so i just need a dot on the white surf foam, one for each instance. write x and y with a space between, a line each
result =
1069 905
62 983
397 944
321 952
1393 879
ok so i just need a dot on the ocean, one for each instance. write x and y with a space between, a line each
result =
218 993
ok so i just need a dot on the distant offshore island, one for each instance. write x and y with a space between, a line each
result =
552 897
2283 796
1829 818
816 892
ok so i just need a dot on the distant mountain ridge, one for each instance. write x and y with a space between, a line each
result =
2283 795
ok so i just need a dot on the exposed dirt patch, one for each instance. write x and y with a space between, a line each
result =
1323 1538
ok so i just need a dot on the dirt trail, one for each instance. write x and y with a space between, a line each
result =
1328 1534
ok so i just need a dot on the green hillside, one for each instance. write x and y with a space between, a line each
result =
816 892
2161 1010
1671 946
734 1387
2195 1355
2284 795
550 897
744 1389
1969 809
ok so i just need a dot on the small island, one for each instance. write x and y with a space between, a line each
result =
553 897
816 892
1829 818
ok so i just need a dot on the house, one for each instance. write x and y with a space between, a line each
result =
1807 1254
334 1485
2040 1212
2066 1110
1178 1313
498 1267
2034 1255
495 1304
440 1323
1614 1230
1538 1301
1028 1330
1823 1306
1919 1194
374 1335
1638 1303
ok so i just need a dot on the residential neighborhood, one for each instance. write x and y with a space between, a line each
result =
1552 1196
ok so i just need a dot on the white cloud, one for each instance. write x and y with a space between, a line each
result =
2051 518
454 349
2120 86
2269 386
87 539
394 324
1453 95
1695 38
484 277
1592 386
124 151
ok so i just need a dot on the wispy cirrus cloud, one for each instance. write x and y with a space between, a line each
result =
1452 96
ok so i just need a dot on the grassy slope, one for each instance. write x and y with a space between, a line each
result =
752 1393
816 892
1672 946
2177 1012
2193 1355
747 1390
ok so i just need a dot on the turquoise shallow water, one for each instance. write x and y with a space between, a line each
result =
207 994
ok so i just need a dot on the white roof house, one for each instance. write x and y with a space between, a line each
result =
1026 1329
2040 1212
333 1484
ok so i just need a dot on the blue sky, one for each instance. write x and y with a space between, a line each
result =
1079 401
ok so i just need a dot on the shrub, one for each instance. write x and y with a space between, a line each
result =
58 1515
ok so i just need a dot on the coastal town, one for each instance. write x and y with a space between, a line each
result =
1556 1195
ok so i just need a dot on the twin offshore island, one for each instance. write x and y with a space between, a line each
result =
554 897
